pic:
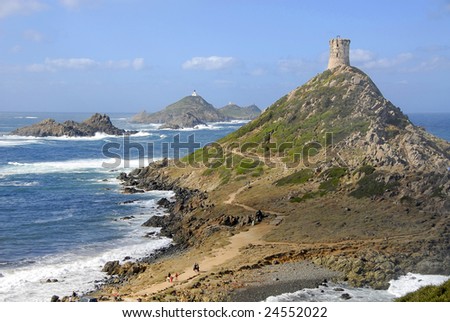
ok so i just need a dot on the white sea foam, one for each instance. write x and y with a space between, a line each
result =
141 134
72 166
15 140
25 117
55 219
18 184
8 142
74 272
333 292
412 282
79 269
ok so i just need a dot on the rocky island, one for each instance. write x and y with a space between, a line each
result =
338 180
194 110
188 112
236 112
97 123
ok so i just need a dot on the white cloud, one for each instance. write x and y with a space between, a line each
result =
138 63
16 49
74 4
361 55
13 7
434 63
291 65
258 71
209 63
53 65
368 60
33 35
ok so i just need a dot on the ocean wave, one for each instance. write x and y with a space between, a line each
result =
25 117
18 184
17 142
75 271
72 166
142 133
55 219
9 139
232 122
195 128
412 282
333 292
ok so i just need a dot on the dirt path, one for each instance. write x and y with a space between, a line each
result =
232 200
214 260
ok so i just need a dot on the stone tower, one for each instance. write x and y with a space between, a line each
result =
339 52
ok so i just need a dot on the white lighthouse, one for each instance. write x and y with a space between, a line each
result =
194 93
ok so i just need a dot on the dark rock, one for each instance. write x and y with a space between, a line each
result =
345 296
163 202
128 202
55 298
131 190
156 221
186 120
338 289
97 123
122 176
127 218
51 280
111 267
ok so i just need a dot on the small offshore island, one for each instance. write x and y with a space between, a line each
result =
338 184
97 123
194 110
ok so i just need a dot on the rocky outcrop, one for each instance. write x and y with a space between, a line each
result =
97 123
186 120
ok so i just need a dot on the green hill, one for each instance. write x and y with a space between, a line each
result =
236 112
175 114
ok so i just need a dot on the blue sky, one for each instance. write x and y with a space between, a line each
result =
130 55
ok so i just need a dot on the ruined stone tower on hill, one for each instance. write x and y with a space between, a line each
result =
339 52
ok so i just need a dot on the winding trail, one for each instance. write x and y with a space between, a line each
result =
221 255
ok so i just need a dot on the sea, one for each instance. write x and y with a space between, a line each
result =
63 214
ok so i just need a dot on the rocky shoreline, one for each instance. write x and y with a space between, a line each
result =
357 264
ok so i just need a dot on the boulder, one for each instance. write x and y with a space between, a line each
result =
55 298
111 267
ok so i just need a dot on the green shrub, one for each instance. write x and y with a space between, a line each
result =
366 169
372 185
333 177
298 177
